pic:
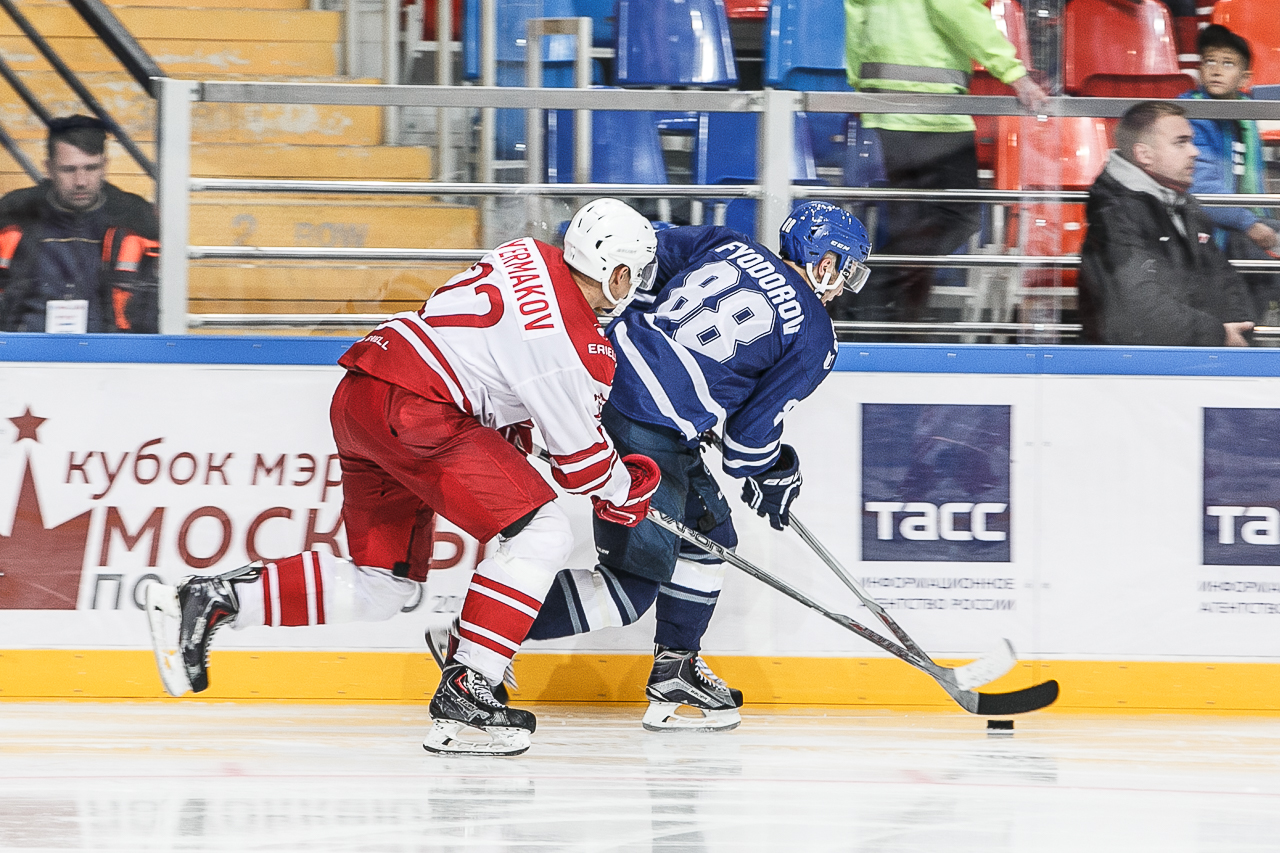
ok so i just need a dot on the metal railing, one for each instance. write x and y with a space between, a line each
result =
122 45
773 190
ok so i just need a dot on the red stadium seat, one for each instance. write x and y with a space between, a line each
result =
1010 21
429 19
1137 86
1050 153
1185 31
750 10
1129 37
1060 153
1258 22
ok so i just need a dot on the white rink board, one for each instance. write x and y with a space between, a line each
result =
1106 484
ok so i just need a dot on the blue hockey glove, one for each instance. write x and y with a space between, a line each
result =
772 492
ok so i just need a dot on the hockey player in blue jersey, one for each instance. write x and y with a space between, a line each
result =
727 339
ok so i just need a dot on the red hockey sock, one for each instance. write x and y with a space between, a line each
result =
293 591
496 617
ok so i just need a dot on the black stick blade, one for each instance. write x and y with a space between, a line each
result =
1019 701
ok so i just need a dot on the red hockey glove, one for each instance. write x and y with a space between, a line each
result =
519 435
645 477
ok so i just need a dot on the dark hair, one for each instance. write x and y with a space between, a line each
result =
1216 35
1138 121
84 132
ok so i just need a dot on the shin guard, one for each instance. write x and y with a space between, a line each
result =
507 590
315 588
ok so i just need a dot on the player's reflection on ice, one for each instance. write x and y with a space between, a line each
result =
653 799
685 776
195 776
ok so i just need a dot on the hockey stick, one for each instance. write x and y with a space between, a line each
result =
998 704
994 704
984 670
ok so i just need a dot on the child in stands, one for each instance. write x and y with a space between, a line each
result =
1230 161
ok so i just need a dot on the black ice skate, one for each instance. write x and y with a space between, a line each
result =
442 642
464 700
683 678
183 620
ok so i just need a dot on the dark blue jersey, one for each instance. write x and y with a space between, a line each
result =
729 338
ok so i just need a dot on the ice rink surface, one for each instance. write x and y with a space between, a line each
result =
192 776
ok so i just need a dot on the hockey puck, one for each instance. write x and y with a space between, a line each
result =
1000 727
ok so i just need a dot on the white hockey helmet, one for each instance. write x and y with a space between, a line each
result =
605 234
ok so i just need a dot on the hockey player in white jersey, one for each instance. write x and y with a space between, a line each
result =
510 343
728 338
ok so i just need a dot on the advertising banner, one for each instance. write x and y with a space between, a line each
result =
1083 516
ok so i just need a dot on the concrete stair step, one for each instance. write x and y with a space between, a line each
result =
184 57
117 5
382 222
211 123
189 24
350 162
291 5
277 39
221 287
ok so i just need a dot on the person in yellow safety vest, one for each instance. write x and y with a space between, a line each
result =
923 46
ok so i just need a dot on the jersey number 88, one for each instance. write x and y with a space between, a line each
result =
716 330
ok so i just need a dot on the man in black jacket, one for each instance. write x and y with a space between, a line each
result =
76 253
1150 270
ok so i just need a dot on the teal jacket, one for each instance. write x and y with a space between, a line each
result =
1230 161
923 46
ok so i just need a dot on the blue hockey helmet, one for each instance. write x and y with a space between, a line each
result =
817 227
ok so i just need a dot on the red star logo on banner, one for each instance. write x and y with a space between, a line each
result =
27 425
39 566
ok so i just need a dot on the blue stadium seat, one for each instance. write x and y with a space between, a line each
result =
513 17
864 161
804 46
726 154
604 29
674 43
864 167
804 52
638 160
557 59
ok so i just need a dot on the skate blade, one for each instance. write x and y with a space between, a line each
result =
987 668
664 717
164 615
449 737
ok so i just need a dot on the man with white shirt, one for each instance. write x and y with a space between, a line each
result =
434 416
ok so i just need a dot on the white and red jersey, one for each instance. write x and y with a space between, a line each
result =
512 338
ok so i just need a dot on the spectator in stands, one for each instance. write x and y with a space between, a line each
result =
1231 161
1150 271
76 253
923 46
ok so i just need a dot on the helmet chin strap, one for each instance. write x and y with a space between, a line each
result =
617 306
823 286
